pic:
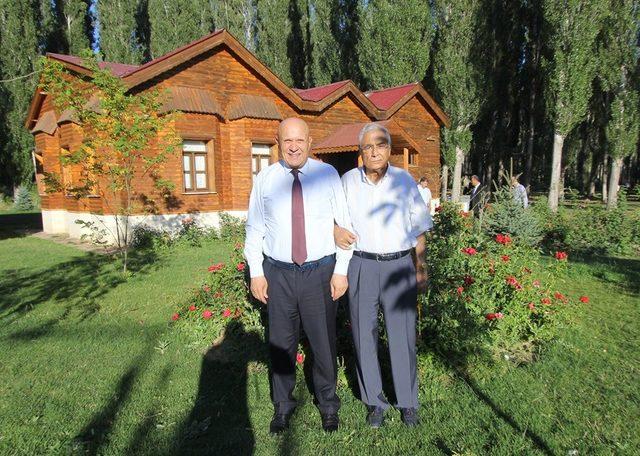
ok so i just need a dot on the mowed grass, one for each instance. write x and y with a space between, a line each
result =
91 365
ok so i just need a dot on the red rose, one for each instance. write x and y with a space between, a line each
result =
503 239
505 258
207 314
559 296
240 266
546 301
300 358
490 316
536 283
438 208
531 306
511 280
584 299
561 256
216 267
469 251
192 307
175 316
207 288
226 313
460 290
499 315
468 280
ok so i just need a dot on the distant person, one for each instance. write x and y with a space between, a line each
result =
519 192
476 196
425 192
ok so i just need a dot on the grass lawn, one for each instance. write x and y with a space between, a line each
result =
91 365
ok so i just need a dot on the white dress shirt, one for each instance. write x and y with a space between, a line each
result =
425 193
388 216
269 218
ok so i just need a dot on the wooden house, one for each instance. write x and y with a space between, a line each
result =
231 105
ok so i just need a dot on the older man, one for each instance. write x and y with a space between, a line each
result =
295 268
389 220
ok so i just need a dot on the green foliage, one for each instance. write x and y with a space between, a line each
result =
390 51
272 28
231 228
506 215
223 296
624 127
23 199
486 294
571 30
119 40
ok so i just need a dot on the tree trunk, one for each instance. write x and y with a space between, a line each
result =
528 165
444 183
457 175
605 178
563 173
614 179
556 165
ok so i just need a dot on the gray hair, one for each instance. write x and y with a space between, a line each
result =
372 126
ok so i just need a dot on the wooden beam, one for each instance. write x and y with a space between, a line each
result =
405 161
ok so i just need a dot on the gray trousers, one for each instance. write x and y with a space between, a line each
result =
391 284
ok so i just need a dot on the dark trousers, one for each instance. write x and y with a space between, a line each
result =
302 296
392 285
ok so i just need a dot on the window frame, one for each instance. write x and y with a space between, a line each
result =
209 168
273 153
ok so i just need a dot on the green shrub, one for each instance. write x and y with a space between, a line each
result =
486 293
231 228
146 237
24 200
506 215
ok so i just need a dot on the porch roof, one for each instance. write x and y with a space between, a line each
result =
345 138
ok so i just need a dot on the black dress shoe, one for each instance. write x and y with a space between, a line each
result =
330 422
375 416
279 422
409 416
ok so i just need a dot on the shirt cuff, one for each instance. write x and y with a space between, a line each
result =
255 269
342 265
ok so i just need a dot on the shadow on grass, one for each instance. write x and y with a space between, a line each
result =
19 225
78 284
97 431
219 420
618 272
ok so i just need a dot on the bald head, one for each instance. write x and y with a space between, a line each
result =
294 141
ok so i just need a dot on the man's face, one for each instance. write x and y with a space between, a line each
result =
474 181
294 142
375 150
424 184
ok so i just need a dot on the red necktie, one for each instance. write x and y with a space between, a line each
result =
298 239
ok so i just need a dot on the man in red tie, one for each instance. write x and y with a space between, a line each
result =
296 269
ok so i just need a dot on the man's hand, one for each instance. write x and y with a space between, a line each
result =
339 285
259 288
343 237
421 280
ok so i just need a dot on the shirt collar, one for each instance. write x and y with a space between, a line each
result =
304 169
365 179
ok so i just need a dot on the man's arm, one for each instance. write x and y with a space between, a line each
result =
341 218
419 261
255 232
421 222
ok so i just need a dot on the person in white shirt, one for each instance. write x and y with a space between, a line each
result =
425 192
295 268
519 192
389 220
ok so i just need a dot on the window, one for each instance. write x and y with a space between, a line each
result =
260 157
413 159
194 166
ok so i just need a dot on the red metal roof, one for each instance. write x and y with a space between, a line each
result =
118 69
344 138
320 92
386 98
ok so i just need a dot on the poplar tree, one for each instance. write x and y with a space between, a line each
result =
618 59
395 42
71 28
174 24
458 76
18 57
273 29
571 30
239 18
119 35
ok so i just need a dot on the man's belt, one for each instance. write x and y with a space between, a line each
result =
382 256
306 266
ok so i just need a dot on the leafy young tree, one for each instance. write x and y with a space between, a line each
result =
457 75
572 28
18 57
239 18
395 42
124 140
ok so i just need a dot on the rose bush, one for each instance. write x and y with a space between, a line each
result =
487 291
